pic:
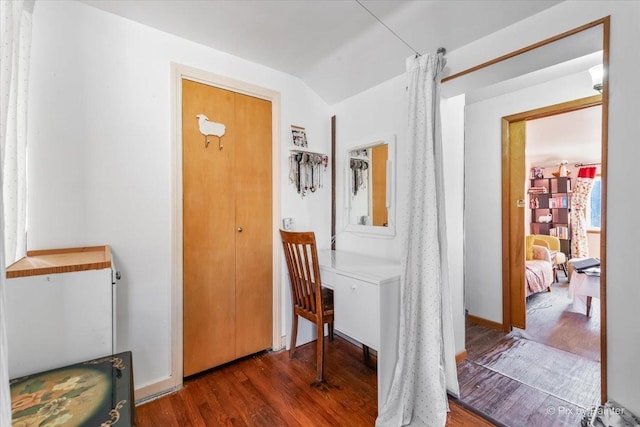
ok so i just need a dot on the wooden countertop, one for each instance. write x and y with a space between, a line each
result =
54 261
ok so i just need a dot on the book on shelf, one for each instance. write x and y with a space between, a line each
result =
560 232
558 202
538 190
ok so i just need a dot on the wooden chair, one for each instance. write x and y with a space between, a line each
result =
309 299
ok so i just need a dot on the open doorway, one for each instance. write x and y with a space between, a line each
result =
557 147
559 150
507 377
547 348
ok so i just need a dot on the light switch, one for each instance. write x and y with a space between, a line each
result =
288 223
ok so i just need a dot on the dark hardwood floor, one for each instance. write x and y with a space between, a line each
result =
548 375
269 389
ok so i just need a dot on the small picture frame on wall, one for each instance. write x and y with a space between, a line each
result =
299 136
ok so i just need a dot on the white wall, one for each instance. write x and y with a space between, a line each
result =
381 111
623 294
100 156
362 119
452 113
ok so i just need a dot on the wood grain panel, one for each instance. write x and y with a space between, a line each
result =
606 24
526 49
461 357
555 109
252 188
506 219
379 156
67 260
517 176
270 389
484 322
208 230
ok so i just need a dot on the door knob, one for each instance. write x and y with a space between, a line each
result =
239 229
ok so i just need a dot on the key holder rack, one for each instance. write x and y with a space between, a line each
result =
306 170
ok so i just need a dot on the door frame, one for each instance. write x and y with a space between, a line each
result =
513 178
506 321
178 73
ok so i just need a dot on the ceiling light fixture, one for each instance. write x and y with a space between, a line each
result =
597 73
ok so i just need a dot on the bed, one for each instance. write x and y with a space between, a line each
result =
538 271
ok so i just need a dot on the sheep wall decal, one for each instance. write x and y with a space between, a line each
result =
208 127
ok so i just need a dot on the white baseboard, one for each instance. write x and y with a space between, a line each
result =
283 342
156 390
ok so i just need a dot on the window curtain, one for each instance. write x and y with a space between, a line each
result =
426 360
579 199
15 43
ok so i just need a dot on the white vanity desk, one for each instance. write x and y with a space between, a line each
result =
367 305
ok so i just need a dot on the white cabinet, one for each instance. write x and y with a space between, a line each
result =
58 319
366 293
356 310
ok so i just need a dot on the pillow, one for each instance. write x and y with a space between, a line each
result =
529 247
541 253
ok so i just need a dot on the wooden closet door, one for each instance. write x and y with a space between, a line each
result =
254 246
209 230
227 221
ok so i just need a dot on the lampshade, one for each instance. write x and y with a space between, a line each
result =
596 77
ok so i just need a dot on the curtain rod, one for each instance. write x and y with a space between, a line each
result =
587 164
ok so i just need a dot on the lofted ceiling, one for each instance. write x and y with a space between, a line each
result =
335 46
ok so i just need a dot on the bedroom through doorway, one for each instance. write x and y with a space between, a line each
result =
553 357
557 147
513 374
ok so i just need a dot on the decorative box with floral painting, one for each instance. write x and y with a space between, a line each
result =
97 392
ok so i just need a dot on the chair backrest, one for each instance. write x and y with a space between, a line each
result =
551 242
304 272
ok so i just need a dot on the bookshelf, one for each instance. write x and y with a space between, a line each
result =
550 204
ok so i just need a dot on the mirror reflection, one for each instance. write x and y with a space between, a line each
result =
368 185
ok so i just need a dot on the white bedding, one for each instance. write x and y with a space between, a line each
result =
538 276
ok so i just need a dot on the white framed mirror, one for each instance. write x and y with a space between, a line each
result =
370 187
